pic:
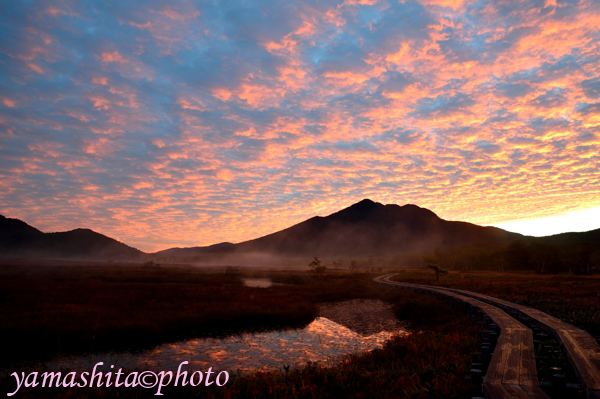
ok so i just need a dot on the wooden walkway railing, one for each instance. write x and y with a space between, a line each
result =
511 373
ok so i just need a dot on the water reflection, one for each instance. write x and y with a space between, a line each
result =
258 282
322 340
363 316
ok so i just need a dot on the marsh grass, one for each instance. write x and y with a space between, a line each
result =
574 299
430 363
54 310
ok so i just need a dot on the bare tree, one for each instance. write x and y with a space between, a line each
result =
438 272
315 266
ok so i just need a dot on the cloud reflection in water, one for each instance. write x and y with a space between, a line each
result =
323 340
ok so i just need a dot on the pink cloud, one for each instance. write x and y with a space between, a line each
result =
168 12
113 57
35 68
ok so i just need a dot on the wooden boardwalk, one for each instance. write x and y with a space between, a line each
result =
511 373
582 349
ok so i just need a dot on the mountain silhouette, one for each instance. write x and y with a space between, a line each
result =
366 228
20 240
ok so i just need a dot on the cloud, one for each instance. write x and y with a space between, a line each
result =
513 90
443 105
543 125
396 82
159 123
591 87
588 108
552 98
356 146
487 146
401 136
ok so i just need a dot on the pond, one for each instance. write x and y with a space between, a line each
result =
258 282
342 328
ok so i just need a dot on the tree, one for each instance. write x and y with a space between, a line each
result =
438 272
151 264
315 266
545 257
578 258
518 256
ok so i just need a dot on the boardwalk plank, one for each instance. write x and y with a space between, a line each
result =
528 371
511 373
512 364
516 391
582 349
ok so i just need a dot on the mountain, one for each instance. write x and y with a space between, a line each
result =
364 229
20 240
591 237
221 248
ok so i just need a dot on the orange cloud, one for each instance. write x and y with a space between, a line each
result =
35 68
168 12
346 78
260 95
455 4
100 81
100 102
193 104
222 94
113 57
55 11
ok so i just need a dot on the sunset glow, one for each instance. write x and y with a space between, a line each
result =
166 124
576 221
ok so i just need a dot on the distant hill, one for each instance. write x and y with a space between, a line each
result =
221 248
364 229
573 253
591 237
20 240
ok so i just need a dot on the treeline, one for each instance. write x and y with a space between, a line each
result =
521 255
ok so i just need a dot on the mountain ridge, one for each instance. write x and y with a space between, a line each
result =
362 230
366 228
19 239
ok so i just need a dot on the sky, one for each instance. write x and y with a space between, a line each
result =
573 221
187 123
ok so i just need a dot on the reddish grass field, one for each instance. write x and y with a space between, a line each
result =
430 364
70 309
574 299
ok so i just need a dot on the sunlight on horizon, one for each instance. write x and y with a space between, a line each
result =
574 221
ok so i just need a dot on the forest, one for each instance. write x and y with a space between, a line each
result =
529 254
